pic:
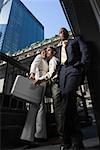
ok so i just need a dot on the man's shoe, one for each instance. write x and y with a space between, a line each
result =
40 139
31 145
79 146
65 147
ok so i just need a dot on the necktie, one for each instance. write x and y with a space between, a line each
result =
63 52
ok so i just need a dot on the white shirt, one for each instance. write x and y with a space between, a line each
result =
39 67
63 52
52 69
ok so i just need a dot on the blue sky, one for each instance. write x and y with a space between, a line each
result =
49 13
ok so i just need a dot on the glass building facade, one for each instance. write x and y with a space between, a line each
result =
1 4
18 27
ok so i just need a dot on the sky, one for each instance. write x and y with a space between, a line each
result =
49 13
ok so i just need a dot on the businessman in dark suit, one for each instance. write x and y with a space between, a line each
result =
74 60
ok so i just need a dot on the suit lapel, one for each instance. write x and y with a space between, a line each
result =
58 52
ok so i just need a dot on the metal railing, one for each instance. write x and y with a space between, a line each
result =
9 69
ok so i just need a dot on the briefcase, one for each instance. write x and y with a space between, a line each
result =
24 89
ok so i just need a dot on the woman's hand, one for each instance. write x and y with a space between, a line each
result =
37 82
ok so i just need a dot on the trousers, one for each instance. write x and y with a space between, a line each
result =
35 124
58 109
70 79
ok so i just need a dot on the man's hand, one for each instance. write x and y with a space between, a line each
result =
32 76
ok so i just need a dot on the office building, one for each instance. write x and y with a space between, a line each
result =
18 27
1 4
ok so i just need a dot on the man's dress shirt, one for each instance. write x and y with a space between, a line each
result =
63 52
52 73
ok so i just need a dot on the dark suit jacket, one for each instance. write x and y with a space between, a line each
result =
77 53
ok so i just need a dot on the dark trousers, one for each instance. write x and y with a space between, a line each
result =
70 79
56 95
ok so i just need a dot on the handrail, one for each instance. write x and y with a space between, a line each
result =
12 61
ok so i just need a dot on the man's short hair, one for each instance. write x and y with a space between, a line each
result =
53 49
